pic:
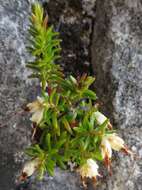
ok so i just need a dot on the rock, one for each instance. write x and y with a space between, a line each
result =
14 130
73 19
117 63
61 180
16 89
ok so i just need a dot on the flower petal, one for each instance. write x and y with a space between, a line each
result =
115 141
29 168
106 148
37 116
36 105
100 118
89 169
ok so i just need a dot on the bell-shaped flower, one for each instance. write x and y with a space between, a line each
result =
106 152
89 169
109 142
37 108
117 143
29 168
101 118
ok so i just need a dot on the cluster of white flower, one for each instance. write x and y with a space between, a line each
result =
109 142
90 168
37 108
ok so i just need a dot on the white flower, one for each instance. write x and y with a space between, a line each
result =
106 148
89 169
29 168
37 108
109 142
100 119
115 141
106 152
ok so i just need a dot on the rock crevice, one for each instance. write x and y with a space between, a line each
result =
117 64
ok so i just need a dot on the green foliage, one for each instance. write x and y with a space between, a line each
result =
44 46
70 131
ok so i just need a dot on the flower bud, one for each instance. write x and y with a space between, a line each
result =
115 141
29 168
89 169
106 148
100 118
106 152
112 141
37 108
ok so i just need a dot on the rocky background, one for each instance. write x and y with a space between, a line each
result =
100 37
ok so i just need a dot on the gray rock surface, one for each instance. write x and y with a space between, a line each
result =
14 133
117 63
17 90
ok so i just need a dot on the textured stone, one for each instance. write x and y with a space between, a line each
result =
14 129
117 63
17 90
73 19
